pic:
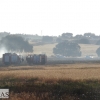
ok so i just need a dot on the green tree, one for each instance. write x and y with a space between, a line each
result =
98 52
92 35
47 39
67 35
67 49
59 39
15 43
84 41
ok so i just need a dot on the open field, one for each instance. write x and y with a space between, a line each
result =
47 48
52 82
53 72
87 49
74 81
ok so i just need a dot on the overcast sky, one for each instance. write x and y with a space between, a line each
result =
53 17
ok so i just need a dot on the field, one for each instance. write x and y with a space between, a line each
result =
53 72
47 48
52 82
87 49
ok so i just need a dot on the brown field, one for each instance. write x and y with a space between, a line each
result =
47 48
32 81
87 49
53 72
40 82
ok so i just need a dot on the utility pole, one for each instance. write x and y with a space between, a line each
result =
41 32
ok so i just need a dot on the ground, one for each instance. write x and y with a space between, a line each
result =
87 49
74 81
79 81
57 71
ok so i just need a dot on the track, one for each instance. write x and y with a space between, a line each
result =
51 61
72 61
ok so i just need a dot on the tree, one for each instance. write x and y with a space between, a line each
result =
78 36
67 35
92 35
47 39
59 39
15 43
84 41
98 52
67 49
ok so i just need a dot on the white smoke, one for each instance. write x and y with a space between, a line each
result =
2 51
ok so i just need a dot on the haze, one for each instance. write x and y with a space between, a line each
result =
50 17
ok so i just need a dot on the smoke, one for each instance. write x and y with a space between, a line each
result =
2 51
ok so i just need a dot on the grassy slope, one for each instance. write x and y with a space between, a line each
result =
87 49
48 49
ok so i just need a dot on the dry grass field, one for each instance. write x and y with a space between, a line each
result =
87 49
52 82
77 81
53 72
47 48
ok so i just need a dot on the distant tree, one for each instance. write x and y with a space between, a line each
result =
84 41
15 43
3 34
78 36
67 35
67 49
59 39
92 35
47 39
98 52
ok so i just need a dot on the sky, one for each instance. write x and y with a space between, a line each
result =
50 17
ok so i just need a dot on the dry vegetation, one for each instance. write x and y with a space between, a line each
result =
53 72
47 48
52 82
87 49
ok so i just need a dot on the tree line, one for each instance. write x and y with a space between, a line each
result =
87 38
66 47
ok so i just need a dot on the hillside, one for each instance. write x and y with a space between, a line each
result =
87 49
